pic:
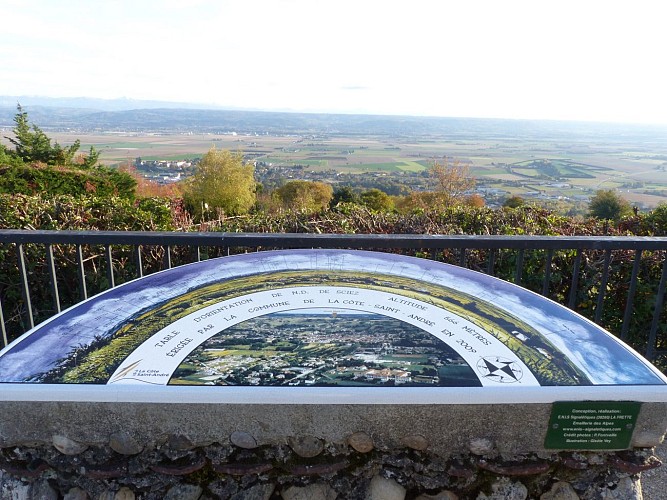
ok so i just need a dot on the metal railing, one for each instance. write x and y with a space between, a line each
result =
618 282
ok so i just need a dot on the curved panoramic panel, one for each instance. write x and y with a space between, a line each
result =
322 318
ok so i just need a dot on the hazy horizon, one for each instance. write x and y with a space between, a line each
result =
120 104
567 61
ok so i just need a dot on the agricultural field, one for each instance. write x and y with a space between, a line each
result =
538 168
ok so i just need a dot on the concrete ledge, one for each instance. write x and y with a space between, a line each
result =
448 429
505 394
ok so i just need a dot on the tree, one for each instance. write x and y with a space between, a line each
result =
452 180
31 144
221 182
305 196
656 220
419 201
377 200
343 194
6 157
514 202
608 204
474 200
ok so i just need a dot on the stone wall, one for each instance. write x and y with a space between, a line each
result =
192 451
310 468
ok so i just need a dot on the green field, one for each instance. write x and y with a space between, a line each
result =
175 157
510 164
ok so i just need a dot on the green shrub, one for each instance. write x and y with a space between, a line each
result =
46 180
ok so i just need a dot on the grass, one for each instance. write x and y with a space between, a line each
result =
491 171
527 172
412 166
374 167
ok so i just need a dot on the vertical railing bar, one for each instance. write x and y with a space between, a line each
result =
20 255
606 275
434 254
82 273
109 258
137 261
547 273
518 271
627 315
491 262
659 300
53 278
167 256
603 285
575 280
5 340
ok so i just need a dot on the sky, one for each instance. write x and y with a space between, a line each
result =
537 59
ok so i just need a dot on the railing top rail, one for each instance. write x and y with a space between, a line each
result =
332 240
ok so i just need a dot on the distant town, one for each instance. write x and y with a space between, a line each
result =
334 348
272 175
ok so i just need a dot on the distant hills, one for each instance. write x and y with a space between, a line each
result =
93 104
128 115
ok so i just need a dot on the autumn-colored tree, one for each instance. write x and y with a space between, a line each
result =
451 180
474 200
419 201
451 185
221 183
147 188
304 196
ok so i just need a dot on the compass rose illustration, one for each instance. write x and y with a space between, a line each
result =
500 369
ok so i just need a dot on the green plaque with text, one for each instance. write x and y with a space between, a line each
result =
591 425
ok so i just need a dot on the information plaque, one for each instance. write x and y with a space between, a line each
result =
591 425
322 318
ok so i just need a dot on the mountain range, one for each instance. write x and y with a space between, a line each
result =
128 115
